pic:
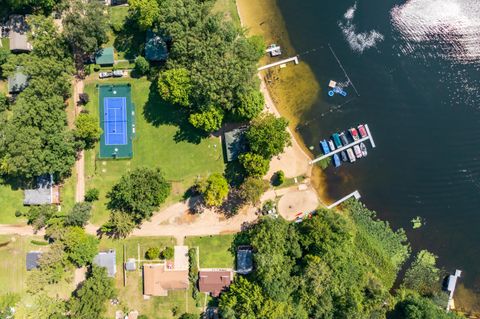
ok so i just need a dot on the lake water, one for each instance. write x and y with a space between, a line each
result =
416 67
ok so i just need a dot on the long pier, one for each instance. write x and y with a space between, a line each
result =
343 148
271 65
355 194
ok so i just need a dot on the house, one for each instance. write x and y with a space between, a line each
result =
45 192
159 279
244 260
214 281
32 259
17 82
155 47
105 57
18 35
235 143
107 260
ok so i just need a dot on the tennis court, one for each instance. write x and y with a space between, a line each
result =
117 121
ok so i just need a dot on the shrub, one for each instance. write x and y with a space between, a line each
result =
96 68
83 98
39 242
141 65
152 253
167 253
18 213
116 26
279 178
92 195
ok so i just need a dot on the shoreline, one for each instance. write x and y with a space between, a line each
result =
280 99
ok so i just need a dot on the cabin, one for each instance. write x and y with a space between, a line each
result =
244 260
17 82
32 259
105 57
214 281
155 47
44 193
18 35
235 143
107 260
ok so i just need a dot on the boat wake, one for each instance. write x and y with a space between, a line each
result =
450 27
358 42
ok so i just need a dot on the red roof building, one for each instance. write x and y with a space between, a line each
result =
214 281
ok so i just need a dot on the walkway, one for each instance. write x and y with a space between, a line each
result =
80 163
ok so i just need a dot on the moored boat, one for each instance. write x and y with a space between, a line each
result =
362 131
336 160
336 139
351 155
354 133
344 156
358 151
363 148
331 145
324 147
344 139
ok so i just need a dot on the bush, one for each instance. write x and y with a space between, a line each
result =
96 67
116 26
18 213
279 178
92 195
152 253
141 65
39 242
168 253
79 215
83 98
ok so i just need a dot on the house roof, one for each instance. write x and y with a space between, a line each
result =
244 260
105 56
155 47
214 281
157 280
18 34
107 259
32 259
235 143
17 82
44 193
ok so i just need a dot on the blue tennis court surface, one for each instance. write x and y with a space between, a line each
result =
115 120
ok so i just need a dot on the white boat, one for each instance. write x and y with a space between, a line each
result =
363 148
331 145
351 155
358 151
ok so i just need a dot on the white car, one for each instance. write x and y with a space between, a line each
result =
103 75
118 73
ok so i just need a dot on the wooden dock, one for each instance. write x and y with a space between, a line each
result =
355 194
343 148
271 65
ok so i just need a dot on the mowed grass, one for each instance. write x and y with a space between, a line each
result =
214 250
131 295
163 139
11 200
229 10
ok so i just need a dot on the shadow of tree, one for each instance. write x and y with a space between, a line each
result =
130 39
158 112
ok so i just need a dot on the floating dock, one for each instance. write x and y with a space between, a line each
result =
271 65
355 194
369 137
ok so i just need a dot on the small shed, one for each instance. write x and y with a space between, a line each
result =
44 193
107 259
18 35
32 259
235 143
155 47
130 265
105 57
244 260
17 82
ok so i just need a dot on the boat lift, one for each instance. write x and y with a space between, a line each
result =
343 148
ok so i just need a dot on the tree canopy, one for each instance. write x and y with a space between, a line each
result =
267 136
214 189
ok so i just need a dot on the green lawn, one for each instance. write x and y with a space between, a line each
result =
11 200
163 139
214 250
229 10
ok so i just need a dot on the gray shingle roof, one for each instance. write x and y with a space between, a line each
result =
17 82
235 143
107 259
18 34
32 259
42 194
244 260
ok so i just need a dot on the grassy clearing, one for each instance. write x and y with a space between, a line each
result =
229 10
11 200
163 139
214 250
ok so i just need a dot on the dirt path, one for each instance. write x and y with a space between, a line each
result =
21 230
80 163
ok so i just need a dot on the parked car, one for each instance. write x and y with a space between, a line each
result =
118 73
103 75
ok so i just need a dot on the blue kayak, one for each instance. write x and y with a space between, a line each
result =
336 160
324 147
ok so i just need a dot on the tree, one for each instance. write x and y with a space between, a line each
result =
152 253
79 215
92 195
4 54
87 129
145 12
175 87
251 104
39 216
255 165
413 306
423 276
168 253
252 190
278 178
268 136
83 98
3 102
89 300
7 305
214 189
119 225
46 307
209 120
139 193
45 38
141 65
79 246
189 316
